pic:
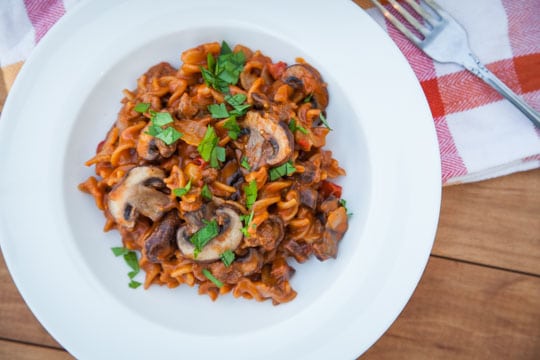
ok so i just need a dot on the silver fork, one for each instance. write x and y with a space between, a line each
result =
445 40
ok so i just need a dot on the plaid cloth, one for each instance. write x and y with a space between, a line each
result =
480 134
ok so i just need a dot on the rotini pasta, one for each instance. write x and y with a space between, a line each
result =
215 173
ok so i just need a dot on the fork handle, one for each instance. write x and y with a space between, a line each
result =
477 68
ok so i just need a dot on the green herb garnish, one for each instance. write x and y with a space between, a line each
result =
324 121
218 111
200 238
343 203
142 107
245 163
286 169
308 98
227 257
225 70
130 257
212 278
238 102
159 119
182 191
233 127
206 193
209 150
293 127
251 193
247 219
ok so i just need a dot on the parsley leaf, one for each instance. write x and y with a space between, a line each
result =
142 107
169 135
238 103
232 125
225 48
212 278
247 219
245 163
251 193
227 257
206 193
208 143
225 70
218 153
218 111
308 98
118 251
161 118
343 203
182 191
324 121
200 238
293 127
286 169
130 257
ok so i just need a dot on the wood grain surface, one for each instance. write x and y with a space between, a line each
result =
479 297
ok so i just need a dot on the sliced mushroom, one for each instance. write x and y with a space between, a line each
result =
305 78
141 192
229 237
161 244
150 148
335 228
270 142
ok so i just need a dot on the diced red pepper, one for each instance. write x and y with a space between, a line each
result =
277 69
200 162
329 188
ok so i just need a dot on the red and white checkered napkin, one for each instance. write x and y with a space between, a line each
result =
481 135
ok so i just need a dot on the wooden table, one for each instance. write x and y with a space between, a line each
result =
479 297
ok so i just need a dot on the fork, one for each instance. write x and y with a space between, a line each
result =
445 40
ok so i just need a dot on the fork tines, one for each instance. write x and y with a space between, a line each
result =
431 17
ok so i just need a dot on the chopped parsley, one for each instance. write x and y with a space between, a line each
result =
245 163
157 121
206 193
247 219
308 98
209 150
182 191
251 193
293 127
200 238
130 257
343 203
212 278
225 70
286 169
219 111
142 107
227 257
238 102
232 125
324 121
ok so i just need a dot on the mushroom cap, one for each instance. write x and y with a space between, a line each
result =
270 141
139 193
229 237
160 243
306 78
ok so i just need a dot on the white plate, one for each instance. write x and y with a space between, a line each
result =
66 98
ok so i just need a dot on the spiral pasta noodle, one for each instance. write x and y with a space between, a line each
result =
215 173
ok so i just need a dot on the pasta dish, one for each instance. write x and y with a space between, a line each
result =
216 176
